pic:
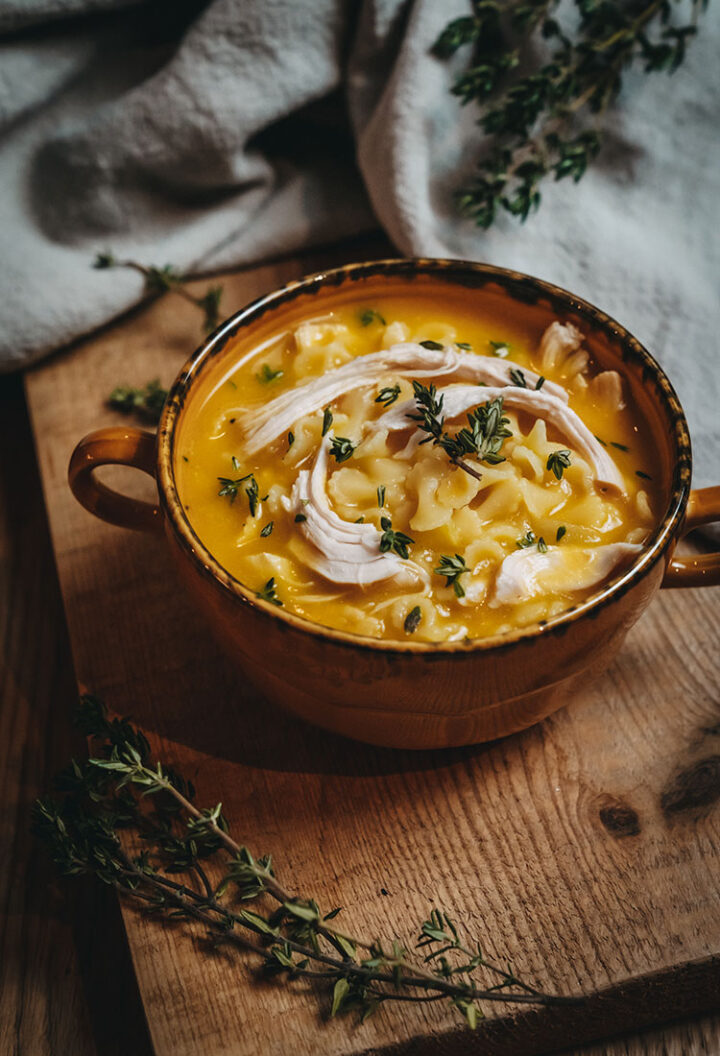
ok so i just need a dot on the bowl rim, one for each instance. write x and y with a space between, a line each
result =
450 270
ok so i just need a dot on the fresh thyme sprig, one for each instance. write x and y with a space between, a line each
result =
483 436
341 448
190 868
268 592
549 121
452 568
147 402
530 539
166 279
558 462
230 488
392 540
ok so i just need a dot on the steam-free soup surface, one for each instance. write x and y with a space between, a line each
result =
304 476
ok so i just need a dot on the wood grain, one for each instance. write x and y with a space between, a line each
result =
563 847
66 984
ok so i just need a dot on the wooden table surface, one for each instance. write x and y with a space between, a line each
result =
66 980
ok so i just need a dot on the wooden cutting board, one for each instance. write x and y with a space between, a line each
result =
586 850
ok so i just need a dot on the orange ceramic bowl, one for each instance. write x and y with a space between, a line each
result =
413 694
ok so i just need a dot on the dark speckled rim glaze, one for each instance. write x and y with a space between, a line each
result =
461 273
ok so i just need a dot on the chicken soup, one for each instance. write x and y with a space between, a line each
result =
405 469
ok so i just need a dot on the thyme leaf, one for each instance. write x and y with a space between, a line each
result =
412 620
392 540
266 374
341 448
370 315
526 540
558 461
268 593
452 568
388 395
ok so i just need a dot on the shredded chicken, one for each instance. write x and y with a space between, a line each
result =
342 552
526 573
458 399
558 342
406 360
607 388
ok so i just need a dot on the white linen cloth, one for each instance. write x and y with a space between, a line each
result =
216 133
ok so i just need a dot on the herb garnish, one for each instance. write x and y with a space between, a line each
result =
549 120
452 568
500 348
620 447
388 395
122 788
518 378
299 518
147 402
230 488
267 530
341 448
539 383
530 539
412 620
268 592
381 496
165 279
558 461
482 437
327 420
370 315
464 345
433 346
526 540
645 476
392 540
291 439
266 374
560 533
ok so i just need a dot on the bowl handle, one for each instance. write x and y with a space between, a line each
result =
704 570
115 446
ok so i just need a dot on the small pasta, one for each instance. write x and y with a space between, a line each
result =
385 514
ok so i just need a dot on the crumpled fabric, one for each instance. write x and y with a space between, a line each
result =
212 134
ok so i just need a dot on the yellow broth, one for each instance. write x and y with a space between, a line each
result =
441 508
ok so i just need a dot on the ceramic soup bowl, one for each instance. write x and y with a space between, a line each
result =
412 694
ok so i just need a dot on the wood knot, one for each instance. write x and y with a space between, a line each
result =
618 817
698 785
